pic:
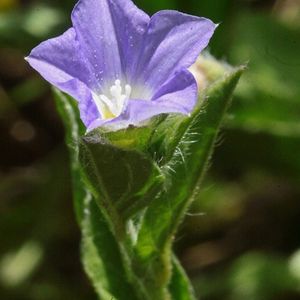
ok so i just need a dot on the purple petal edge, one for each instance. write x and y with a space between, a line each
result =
173 41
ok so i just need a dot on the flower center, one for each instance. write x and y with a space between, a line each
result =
112 106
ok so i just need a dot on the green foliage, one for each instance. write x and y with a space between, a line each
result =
29 25
268 96
101 256
153 6
250 277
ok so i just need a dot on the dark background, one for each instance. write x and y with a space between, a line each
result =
241 239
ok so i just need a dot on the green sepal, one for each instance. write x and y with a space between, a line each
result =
131 138
123 181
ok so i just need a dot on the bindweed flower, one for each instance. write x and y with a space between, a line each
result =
122 66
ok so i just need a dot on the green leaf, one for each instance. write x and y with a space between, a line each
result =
67 108
183 170
101 256
180 287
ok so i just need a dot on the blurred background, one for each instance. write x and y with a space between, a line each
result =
241 239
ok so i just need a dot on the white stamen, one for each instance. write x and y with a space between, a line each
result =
127 90
111 107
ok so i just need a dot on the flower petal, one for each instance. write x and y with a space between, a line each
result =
110 33
58 61
179 91
131 24
173 41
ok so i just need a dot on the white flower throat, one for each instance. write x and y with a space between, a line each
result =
112 106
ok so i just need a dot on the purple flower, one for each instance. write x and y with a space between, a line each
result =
122 66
